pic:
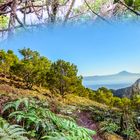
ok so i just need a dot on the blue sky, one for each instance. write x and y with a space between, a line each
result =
96 50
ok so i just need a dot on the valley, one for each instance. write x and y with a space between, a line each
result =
114 81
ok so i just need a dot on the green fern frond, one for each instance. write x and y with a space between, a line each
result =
11 132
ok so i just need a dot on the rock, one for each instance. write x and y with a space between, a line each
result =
128 91
136 86
108 136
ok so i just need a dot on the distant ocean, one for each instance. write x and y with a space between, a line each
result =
109 86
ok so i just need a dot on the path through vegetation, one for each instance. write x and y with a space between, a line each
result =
85 119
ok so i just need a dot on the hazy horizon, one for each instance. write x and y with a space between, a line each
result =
112 81
114 73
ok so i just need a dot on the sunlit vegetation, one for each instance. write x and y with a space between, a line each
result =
3 22
40 99
40 123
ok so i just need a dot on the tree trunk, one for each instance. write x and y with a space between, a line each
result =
12 17
54 7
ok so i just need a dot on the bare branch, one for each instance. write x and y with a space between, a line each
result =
69 11
95 12
129 8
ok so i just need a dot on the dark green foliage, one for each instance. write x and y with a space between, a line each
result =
103 95
32 68
63 77
137 4
39 121
60 76
109 126
11 132
129 2
134 4
129 133
28 54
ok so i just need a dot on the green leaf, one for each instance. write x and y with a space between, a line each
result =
137 4
129 2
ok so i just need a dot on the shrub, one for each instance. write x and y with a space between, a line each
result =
34 116
109 126
129 133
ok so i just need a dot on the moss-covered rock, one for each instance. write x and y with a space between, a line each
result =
108 136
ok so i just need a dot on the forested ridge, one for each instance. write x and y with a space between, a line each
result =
41 99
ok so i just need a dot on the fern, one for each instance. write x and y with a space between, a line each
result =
11 132
47 125
16 104
64 124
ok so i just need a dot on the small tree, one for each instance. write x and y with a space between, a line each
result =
27 53
104 95
63 77
7 60
32 68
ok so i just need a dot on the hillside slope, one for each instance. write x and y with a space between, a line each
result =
81 111
85 112
129 91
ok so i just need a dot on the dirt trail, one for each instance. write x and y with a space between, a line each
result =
85 120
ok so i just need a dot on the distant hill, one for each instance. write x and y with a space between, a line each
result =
115 81
128 91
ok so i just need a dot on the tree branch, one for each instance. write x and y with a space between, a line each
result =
96 13
69 11
130 9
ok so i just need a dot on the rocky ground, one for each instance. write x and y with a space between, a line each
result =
85 120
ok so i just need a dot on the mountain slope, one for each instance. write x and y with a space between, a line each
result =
129 91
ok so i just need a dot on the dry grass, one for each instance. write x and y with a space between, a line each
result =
84 102
19 92
56 101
